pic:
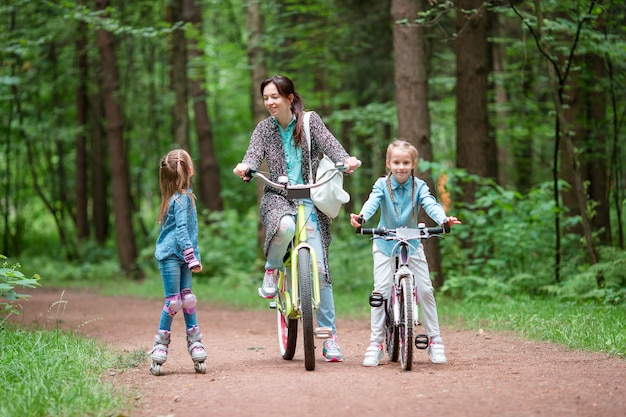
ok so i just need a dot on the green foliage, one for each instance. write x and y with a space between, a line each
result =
505 247
58 374
11 277
581 284
509 232
228 247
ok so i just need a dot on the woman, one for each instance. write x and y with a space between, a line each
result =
280 140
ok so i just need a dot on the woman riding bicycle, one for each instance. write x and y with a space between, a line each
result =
280 140
399 196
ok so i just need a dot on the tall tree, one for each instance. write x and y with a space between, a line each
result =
585 109
99 163
559 70
258 72
178 75
476 151
82 105
411 81
122 202
208 169
256 61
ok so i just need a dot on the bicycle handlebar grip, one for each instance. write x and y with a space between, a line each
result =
361 220
446 227
381 231
248 174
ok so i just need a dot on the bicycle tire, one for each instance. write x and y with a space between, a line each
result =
306 307
406 323
287 330
392 335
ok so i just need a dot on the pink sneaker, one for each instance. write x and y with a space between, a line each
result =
331 350
268 289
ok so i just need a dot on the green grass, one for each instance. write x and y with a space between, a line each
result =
589 326
58 374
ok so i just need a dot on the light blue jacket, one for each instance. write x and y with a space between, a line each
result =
179 229
405 217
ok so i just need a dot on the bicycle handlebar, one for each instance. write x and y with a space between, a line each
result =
283 181
405 233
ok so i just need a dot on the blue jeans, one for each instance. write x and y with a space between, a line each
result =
176 276
279 245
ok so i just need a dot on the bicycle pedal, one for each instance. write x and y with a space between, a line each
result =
421 341
273 305
323 332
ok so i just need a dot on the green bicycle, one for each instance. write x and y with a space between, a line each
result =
298 295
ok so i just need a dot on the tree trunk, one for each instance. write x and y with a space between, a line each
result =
596 155
411 80
208 168
475 147
99 162
258 72
82 105
122 204
180 111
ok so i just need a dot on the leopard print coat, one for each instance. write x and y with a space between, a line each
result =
266 143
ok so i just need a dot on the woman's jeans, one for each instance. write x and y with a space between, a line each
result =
279 245
176 277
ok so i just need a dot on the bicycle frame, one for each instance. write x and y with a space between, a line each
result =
401 272
300 241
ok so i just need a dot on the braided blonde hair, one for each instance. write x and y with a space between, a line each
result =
407 147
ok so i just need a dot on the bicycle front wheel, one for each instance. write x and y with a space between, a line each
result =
306 306
287 329
406 323
392 335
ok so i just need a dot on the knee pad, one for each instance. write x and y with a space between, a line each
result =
189 301
172 305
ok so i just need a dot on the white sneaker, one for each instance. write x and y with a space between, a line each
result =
436 353
373 354
268 289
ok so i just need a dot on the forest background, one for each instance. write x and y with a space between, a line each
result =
517 109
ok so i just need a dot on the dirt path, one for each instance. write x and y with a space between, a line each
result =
488 374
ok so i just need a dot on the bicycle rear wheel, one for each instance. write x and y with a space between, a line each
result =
287 329
306 307
392 335
406 323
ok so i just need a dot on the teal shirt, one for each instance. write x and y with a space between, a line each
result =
293 155
405 216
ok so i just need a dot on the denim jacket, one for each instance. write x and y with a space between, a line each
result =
179 229
402 215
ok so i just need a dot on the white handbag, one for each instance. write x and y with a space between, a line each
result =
329 197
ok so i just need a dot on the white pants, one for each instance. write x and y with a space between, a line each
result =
384 267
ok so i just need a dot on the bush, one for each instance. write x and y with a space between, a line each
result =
11 277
